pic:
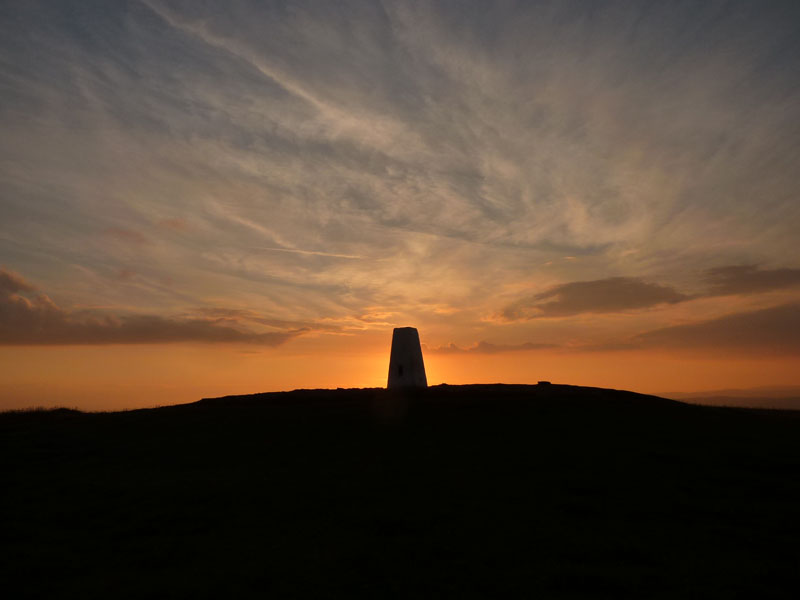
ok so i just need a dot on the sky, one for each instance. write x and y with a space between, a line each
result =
210 198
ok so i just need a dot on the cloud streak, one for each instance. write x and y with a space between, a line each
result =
615 294
484 347
624 294
750 279
773 331
28 317
311 252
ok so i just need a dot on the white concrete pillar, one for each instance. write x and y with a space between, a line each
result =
406 368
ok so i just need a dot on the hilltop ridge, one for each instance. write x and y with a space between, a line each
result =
467 491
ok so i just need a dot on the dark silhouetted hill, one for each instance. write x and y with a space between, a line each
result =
487 491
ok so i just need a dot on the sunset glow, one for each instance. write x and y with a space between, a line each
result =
201 200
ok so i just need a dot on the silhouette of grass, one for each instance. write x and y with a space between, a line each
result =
467 491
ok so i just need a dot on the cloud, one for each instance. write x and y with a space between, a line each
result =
311 252
242 314
11 283
770 331
615 294
393 132
488 348
34 319
750 279
126 235
175 224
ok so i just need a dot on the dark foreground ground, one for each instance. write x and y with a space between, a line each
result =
458 491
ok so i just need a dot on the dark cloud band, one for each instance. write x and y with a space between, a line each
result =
34 319
614 294
770 331
619 294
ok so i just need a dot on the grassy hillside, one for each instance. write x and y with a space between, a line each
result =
459 491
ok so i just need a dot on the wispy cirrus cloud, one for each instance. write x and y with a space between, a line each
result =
311 252
241 315
128 236
484 347
750 279
312 162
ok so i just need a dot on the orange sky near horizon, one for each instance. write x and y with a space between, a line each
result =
114 378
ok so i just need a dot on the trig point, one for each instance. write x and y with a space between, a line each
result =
406 368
